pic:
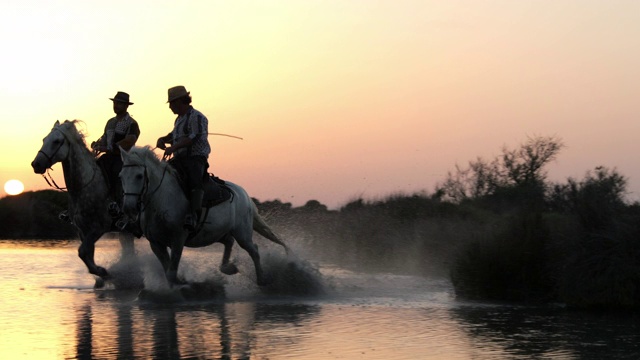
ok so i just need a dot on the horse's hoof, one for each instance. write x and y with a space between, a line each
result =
177 282
99 283
229 269
101 272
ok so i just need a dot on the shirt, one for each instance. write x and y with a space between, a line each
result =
195 126
116 130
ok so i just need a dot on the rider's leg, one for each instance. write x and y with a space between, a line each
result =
195 168
115 186
116 193
195 204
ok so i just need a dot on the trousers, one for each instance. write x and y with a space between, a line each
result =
112 165
192 170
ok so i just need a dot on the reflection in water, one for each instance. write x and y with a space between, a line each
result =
165 333
84 333
281 326
124 325
52 311
216 330
550 332
97 335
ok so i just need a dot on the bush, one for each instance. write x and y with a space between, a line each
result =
509 264
600 265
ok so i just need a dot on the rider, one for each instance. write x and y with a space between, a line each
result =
121 131
190 148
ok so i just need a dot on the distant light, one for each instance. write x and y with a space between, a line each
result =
13 187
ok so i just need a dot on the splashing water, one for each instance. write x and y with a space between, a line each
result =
292 276
126 274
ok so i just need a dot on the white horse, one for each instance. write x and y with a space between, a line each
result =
153 193
87 188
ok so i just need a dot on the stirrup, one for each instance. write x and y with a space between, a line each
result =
64 216
114 209
122 223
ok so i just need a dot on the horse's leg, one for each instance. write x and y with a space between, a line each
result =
86 252
176 253
161 253
244 240
127 271
127 244
226 267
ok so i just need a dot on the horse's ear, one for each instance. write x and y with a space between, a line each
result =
57 123
123 153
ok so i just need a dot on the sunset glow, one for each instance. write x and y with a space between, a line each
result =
334 99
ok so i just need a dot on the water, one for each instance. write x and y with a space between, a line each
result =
51 311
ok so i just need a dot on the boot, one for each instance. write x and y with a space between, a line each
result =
134 228
126 225
195 202
114 209
64 216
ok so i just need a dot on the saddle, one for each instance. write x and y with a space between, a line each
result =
216 191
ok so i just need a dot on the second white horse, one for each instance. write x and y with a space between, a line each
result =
153 193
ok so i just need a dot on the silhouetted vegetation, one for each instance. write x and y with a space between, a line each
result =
34 215
499 229
575 243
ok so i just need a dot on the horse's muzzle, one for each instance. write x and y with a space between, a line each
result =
131 207
37 166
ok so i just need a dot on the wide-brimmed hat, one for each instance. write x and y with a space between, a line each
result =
177 92
122 97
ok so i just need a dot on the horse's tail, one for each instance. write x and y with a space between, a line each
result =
261 227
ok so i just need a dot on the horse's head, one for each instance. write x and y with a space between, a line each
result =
55 148
134 182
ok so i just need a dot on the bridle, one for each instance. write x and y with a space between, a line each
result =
140 203
139 195
55 152
50 180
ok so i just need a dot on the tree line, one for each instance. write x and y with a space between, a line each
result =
498 228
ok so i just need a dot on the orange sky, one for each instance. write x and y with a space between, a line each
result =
334 99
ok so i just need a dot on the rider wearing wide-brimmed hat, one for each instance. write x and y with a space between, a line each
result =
121 131
189 146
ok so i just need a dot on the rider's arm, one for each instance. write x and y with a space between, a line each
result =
131 138
95 145
100 145
127 142
197 126
167 139
181 143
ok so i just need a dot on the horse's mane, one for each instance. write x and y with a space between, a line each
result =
148 156
69 127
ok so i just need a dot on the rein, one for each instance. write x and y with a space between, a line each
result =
50 181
